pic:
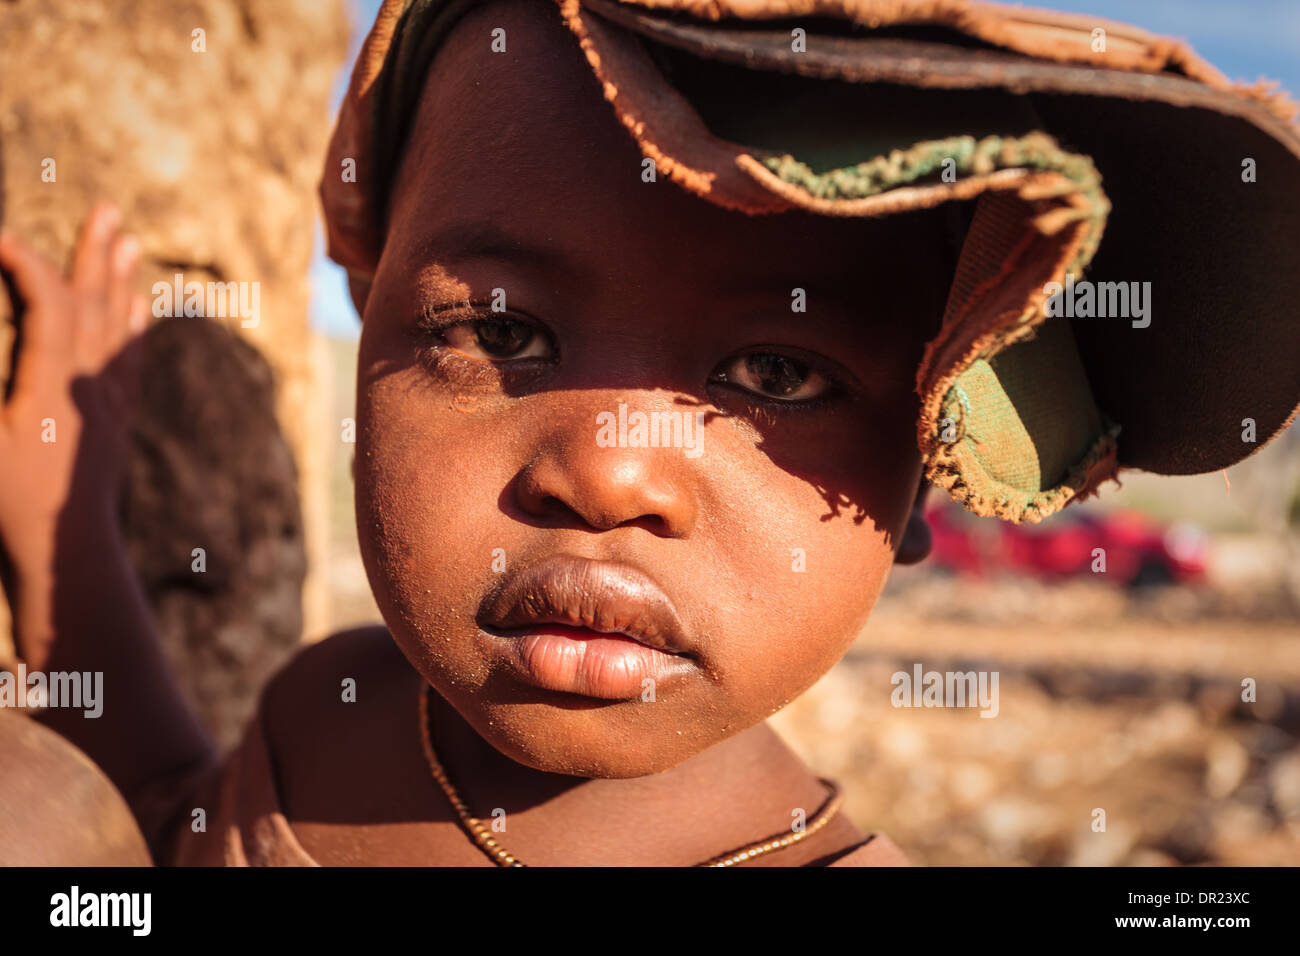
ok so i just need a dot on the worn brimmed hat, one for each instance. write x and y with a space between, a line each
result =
1125 296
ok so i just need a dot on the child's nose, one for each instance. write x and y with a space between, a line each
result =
609 478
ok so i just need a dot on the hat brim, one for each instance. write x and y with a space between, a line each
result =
1210 378
1170 138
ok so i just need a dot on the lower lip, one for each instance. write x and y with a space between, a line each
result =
575 660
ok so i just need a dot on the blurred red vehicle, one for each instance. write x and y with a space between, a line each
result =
1137 551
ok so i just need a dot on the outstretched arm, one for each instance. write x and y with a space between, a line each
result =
77 605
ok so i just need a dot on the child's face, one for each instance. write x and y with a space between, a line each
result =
480 445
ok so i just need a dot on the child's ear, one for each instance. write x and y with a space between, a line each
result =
915 546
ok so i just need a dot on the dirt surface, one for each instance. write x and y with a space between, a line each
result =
1106 702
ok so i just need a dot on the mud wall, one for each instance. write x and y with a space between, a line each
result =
205 121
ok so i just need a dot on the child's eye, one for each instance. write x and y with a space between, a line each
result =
783 378
497 338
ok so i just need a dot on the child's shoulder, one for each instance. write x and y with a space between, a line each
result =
335 690
341 728
361 653
332 759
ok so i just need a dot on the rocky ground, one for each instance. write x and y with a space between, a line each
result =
1107 702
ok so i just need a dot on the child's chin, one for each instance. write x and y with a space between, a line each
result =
581 744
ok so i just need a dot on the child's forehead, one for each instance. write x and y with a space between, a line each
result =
519 150
509 122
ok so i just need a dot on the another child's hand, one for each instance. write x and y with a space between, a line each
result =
63 428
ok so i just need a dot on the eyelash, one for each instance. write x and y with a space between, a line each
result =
435 355
433 322
755 402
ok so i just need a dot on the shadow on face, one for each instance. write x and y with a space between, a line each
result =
517 177
534 289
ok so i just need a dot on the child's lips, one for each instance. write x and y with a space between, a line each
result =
588 627
576 660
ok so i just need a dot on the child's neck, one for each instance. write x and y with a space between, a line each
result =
745 789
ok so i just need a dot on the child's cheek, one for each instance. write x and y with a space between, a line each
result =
803 571
428 520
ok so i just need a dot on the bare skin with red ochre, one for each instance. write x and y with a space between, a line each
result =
477 438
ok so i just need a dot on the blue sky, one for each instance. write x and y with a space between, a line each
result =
1246 39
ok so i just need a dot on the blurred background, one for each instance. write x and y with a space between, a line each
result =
1119 691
